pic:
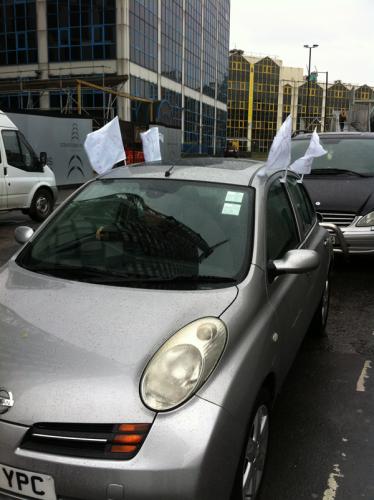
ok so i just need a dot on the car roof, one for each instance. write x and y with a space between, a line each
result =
340 135
220 170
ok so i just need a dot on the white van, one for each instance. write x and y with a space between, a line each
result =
26 181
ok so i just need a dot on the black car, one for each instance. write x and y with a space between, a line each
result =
341 184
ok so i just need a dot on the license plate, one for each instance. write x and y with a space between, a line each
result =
26 483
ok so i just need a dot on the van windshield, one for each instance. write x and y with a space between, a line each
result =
148 233
352 154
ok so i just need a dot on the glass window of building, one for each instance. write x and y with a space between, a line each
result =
171 39
96 103
144 33
173 115
337 98
192 54
363 93
223 32
191 137
210 48
19 101
18 41
265 104
287 98
208 129
309 110
141 111
238 95
80 30
220 131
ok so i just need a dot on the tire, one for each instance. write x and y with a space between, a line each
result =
253 460
41 205
319 321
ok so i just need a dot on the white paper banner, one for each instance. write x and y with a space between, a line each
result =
151 144
280 151
304 164
104 147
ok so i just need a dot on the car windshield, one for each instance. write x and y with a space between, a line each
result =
355 155
148 233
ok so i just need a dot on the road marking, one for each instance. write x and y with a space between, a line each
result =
330 493
360 387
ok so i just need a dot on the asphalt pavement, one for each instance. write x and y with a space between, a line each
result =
322 426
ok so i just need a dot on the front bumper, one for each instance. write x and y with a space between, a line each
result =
189 454
360 240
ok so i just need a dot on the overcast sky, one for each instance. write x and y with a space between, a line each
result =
343 29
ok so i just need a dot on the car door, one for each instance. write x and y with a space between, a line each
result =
3 197
313 238
22 168
287 293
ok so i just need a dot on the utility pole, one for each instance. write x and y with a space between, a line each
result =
310 47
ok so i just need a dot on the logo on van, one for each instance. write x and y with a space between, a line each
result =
75 132
75 162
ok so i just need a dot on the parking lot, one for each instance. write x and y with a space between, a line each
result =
323 426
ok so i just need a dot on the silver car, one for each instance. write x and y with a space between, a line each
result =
341 185
146 329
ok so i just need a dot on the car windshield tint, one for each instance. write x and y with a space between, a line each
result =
355 155
148 233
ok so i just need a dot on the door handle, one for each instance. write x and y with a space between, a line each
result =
5 171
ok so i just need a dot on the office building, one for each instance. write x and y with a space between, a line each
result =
172 52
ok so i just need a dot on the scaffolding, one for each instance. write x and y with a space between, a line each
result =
68 95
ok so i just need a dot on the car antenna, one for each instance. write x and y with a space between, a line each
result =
169 171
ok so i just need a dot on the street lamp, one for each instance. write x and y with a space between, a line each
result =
310 47
327 87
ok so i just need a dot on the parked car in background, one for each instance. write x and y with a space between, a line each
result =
146 329
341 185
231 150
26 182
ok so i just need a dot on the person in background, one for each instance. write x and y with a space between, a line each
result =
342 119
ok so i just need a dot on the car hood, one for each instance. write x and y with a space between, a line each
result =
341 193
75 352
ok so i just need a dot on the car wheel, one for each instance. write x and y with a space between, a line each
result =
319 321
252 463
41 205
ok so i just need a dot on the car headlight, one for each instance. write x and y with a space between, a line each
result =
366 221
182 364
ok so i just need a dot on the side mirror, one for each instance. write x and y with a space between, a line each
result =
22 234
294 262
43 158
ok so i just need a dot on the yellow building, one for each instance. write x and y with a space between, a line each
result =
262 93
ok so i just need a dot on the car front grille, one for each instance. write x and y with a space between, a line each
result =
338 218
105 441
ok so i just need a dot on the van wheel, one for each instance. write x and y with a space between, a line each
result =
41 205
253 459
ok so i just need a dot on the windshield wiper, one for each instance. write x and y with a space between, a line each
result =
338 171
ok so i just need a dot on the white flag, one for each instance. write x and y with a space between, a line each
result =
280 151
104 147
151 144
304 164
